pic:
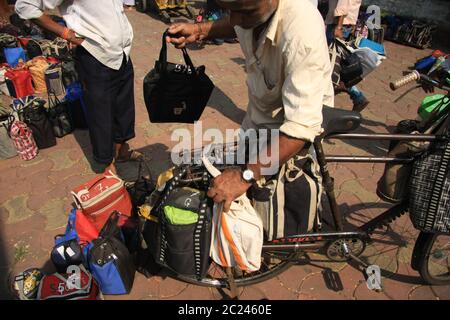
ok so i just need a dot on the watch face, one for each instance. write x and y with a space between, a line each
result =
248 175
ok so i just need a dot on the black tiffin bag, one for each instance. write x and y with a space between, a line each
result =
36 117
59 116
175 92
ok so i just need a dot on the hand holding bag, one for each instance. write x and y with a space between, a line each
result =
174 92
237 235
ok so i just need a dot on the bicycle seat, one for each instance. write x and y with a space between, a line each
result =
339 121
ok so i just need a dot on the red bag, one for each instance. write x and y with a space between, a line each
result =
23 141
101 196
85 230
59 286
22 81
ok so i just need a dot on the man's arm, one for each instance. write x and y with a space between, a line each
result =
181 34
340 13
34 10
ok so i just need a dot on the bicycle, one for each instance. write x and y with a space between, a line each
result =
342 245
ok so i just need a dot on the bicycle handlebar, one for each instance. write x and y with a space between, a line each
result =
415 76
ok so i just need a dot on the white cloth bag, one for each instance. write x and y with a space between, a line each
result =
237 235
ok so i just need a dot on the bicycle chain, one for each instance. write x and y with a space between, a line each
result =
383 221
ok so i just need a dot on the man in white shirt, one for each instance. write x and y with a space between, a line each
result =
288 76
102 35
341 21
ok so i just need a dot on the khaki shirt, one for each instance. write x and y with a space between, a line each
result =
289 75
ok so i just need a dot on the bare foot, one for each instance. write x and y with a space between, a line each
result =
112 168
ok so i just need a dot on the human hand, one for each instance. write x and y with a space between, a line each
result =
73 40
338 33
228 187
180 34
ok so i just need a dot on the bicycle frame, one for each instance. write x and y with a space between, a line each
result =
314 241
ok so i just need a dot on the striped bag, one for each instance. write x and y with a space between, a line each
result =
429 198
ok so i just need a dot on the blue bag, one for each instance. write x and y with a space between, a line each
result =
77 107
375 46
79 229
14 55
110 261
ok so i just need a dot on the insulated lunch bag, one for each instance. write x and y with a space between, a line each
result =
98 198
7 149
23 140
110 261
53 80
180 237
175 92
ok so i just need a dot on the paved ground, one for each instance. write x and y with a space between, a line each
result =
35 201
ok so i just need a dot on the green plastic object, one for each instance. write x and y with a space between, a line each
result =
180 217
429 104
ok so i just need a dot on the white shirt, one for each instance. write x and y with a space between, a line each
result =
102 23
347 8
289 76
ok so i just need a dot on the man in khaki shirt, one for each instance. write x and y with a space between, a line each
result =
288 76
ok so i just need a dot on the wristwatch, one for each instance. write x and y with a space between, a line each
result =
248 176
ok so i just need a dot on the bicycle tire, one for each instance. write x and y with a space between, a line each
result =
423 251
250 279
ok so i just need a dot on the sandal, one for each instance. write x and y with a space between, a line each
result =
133 156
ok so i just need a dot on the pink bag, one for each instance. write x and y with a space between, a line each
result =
23 140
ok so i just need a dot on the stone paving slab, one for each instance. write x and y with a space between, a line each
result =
35 201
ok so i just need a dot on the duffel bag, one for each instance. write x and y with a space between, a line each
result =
110 261
101 196
288 202
429 187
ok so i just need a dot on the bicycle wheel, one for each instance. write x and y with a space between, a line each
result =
272 264
433 261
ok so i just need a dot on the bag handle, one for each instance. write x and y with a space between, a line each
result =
53 102
163 55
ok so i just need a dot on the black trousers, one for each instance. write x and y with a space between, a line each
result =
109 96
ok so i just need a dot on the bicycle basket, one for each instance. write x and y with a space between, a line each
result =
429 198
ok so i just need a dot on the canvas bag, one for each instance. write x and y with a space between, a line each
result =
3 86
175 92
53 79
37 67
59 48
237 235
7 149
288 202
101 196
